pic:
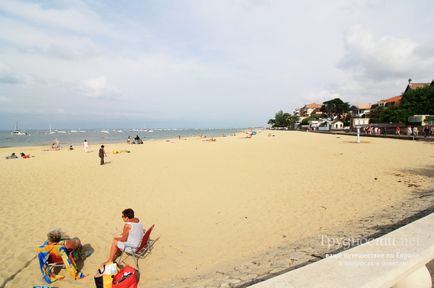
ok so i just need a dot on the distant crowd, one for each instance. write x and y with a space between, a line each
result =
410 131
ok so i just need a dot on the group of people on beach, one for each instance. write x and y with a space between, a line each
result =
22 155
131 237
137 140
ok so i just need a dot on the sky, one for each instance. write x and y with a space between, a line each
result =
203 64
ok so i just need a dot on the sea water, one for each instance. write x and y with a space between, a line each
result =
102 136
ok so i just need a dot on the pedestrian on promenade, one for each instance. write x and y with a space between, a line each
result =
397 130
415 131
102 154
426 131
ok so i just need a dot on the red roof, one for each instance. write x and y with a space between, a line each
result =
393 99
313 105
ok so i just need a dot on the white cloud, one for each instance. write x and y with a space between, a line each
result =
4 99
8 76
213 60
381 58
98 88
83 20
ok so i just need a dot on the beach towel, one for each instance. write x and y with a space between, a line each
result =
48 274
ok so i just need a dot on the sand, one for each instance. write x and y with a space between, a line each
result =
216 205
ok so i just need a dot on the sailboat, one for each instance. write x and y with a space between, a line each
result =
18 132
51 132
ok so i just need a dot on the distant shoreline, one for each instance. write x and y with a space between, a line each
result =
42 138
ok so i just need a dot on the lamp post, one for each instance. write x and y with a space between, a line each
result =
358 134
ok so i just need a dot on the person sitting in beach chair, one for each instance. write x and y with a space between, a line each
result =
131 237
58 252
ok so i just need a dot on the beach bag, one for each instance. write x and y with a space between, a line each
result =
126 278
104 277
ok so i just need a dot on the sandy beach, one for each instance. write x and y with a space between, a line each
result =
226 211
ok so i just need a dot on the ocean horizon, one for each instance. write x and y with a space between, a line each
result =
66 137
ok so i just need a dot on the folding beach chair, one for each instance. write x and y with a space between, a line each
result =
52 256
142 251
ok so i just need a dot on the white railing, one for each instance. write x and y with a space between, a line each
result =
395 260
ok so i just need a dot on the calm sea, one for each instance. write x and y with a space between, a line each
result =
99 136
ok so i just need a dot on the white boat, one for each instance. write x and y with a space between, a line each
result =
73 131
18 132
105 131
50 132
61 131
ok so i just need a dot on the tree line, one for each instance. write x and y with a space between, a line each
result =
418 101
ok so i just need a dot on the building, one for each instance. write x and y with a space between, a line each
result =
396 100
418 120
392 102
387 103
412 86
360 110
309 109
337 125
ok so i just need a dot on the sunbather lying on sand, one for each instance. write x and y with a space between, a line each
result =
12 156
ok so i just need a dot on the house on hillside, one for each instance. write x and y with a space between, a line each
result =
392 102
412 86
337 125
396 100
389 102
309 109
360 110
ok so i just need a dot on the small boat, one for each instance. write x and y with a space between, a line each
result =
50 132
105 131
18 132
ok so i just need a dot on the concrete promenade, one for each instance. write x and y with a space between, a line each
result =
398 256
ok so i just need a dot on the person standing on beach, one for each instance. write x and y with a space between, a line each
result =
85 146
102 154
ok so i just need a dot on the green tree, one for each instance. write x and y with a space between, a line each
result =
418 101
375 114
335 108
429 120
305 121
283 119
393 114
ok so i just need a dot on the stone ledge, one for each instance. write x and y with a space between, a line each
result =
379 263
